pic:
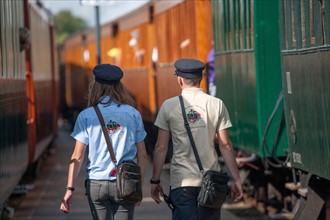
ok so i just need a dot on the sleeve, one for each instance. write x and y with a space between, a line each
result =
161 120
80 130
224 119
140 134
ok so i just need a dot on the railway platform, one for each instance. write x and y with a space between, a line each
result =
43 201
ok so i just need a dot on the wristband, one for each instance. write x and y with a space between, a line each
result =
69 188
154 181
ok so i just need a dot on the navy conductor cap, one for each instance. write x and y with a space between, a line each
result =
189 68
107 73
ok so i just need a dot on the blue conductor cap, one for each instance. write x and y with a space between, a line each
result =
189 68
107 73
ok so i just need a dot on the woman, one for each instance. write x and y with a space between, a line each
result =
126 131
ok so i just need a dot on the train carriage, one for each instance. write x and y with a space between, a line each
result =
44 75
248 70
28 90
306 82
76 64
133 38
248 79
145 43
182 30
305 50
13 108
267 52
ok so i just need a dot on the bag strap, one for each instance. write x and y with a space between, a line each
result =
186 124
105 133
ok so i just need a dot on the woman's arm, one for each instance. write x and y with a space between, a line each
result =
142 158
76 161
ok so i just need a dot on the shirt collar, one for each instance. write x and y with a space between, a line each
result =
192 90
106 99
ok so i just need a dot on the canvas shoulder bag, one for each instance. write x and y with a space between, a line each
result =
214 187
128 173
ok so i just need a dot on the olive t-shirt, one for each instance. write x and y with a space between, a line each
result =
206 115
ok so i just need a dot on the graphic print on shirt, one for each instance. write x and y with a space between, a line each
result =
193 116
112 127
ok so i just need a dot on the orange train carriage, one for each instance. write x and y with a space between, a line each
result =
145 43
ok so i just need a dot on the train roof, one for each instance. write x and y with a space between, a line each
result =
124 8
126 14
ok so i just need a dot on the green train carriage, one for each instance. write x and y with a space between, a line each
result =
306 82
248 71
266 52
248 79
305 44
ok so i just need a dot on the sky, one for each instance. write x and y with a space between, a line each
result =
107 11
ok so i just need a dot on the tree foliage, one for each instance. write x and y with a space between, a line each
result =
67 25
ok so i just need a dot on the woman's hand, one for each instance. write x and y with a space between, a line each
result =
66 202
138 203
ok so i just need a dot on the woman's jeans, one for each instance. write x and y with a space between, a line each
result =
104 203
186 206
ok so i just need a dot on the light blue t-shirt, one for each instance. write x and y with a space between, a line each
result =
125 129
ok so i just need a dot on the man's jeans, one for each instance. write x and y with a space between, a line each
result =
186 206
103 201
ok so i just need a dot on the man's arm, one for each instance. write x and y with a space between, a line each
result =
227 152
158 161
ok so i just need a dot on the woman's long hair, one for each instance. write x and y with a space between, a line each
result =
116 93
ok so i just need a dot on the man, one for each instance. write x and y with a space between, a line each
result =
207 116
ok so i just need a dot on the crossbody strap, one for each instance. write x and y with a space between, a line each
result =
106 136
186 124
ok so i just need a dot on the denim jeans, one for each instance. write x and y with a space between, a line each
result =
186 206
103 201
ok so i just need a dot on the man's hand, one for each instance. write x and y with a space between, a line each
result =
236 191
155 191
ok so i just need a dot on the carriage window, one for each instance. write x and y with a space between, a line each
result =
15 43
306 23
11 59
238 25
217 26
317 23
1 42
311 22
304 18
226 19
296 24
245 10
151 14
0 57
292 16
326 21
250 24
233 25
